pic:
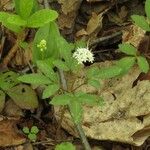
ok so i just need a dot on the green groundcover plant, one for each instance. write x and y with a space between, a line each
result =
54 58
31 133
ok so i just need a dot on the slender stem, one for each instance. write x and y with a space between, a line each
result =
78 126
65 88
77 87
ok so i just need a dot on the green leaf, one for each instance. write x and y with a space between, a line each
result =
92 72
17 6
26 8
61 65
127 49
50 90
47 69
8 80
63 99
126 63
110 72
41 18
34 129
141 22
94 82
143 64
26 130
76 111
85 98
37 79
32 136
16 20
147 8
65 146
12 27
24 96
2 100
34 8
50 33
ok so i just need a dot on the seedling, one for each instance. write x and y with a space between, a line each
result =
31 133
65 146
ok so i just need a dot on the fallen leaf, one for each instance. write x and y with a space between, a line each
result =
81 32
118 119
9 135
70 9
94 23
133 34
12 110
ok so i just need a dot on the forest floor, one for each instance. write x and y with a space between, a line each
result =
103 24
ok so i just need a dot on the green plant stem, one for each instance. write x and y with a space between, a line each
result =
78 126
65 88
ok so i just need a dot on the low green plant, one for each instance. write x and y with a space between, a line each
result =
31 133
55 59
65 146
142 21
133 58
27 15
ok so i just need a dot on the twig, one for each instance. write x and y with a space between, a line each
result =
102 39
13 50
78 126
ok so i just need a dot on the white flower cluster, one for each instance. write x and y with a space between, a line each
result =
42 45
83 55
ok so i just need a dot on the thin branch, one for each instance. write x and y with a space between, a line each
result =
78 126
13 50
102 39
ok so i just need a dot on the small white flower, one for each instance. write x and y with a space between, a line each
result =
42 45
83 55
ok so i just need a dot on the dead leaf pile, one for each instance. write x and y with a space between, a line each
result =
118 119
9 135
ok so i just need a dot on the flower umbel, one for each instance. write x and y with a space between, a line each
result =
83 55
42 45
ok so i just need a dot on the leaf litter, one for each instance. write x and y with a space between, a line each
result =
120 119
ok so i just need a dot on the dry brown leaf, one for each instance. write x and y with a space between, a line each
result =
66 21
94 23
68 5
133 34
123 12
9 135
12 110
69 12
117 119
81 32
